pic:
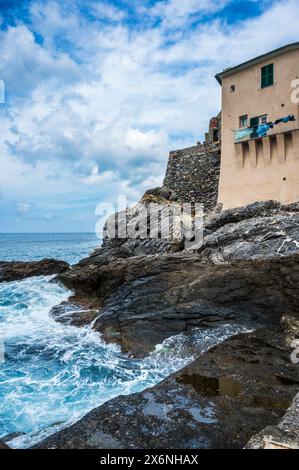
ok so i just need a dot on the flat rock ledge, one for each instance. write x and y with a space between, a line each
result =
18 270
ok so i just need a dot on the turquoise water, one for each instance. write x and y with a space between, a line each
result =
52 374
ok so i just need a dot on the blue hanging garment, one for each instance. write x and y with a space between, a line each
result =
242 134
286 119
291 117
262 130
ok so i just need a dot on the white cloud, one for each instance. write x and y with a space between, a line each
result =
174 13
23 207
143 142
102 10
97 178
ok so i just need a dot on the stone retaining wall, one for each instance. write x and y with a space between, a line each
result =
193 174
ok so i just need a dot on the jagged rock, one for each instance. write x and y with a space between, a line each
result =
158 194
258 237
142 300
290 325
134 237
225 396
74 313
245 269
17 270
285 435
3 445
218 218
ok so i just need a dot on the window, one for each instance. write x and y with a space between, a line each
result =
254 121
267 75
243 121
263 119
232 88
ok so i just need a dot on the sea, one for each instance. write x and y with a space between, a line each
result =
52 374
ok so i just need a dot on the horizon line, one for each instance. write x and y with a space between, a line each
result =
45 233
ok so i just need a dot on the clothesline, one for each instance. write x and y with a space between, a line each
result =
260 130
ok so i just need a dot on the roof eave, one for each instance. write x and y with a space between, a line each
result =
218 78
256 60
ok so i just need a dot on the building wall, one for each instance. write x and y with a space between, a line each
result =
244 179
193 174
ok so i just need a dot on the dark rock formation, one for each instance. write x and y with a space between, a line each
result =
245 270
144 300
290 325
74 313
159 193
17 270
3 445
193 174
284 435
219 401
138 239
259 236
218 218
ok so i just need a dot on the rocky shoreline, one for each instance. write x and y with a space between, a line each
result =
246 271
18 270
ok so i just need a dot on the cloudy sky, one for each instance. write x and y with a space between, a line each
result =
98 92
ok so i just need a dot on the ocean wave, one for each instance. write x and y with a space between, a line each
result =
55 373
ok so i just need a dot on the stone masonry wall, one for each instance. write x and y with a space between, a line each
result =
193 174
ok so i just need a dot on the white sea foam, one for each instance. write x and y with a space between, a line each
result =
54 373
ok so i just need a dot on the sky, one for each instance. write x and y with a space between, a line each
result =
98 92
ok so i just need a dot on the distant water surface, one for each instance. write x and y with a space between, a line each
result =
70 247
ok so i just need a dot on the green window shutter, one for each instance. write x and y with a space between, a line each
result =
254 121
267 75
264 77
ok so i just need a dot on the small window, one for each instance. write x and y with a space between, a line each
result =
232 88
243 121
263 119
267 75
254 121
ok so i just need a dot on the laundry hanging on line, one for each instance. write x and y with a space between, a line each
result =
242 134
261 130
286 119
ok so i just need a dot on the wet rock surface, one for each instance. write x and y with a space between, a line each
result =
74 313
3 445
284 435
220 400
18 270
